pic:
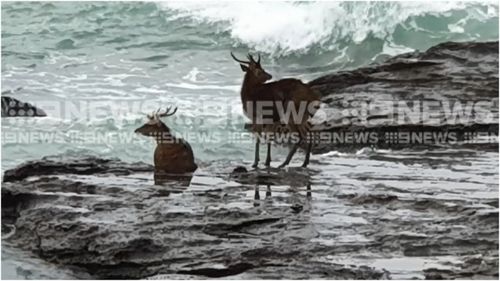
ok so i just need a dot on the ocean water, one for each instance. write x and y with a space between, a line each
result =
97 68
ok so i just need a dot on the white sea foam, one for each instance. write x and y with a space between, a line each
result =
190 86
283 27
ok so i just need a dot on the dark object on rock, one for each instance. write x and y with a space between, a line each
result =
81 166
12 107
219 272
296 208
239 170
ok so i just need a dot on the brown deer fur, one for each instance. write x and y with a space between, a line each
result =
172 155
282 93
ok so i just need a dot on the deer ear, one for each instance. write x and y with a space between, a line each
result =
244 68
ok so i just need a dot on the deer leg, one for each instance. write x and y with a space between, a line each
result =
290 155
308 153
294 148
268 157
256 197
268 191
256 161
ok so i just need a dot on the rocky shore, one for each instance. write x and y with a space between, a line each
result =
406 213
107 219
450 88
57 209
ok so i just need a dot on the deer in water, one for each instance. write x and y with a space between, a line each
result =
286 94
172 155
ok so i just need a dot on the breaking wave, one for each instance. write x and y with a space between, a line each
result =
290 27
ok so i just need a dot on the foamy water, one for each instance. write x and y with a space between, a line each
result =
287 27
98 68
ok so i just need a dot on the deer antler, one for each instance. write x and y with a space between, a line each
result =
250 57
240 61
154 115
167 112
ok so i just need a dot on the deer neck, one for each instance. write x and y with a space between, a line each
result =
164 136
249 84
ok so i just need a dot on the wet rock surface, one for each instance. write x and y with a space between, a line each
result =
455 84
82 166
368 216
374 214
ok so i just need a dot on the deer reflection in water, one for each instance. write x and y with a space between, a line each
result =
181 180
257 201
294 178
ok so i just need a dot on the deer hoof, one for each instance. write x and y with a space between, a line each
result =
255 165
282 166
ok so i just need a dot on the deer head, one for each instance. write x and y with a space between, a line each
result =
253 68
155 127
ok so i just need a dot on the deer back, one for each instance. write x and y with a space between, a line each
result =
176 157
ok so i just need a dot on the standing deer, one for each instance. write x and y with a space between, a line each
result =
172 155
286 94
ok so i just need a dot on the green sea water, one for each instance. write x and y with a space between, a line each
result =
99 67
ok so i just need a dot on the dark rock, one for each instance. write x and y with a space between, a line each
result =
103 218
366 107
457 70
297 208
447 76
12 107
274 176
106 218
82 166
233 269
479 268
239 170
375 198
